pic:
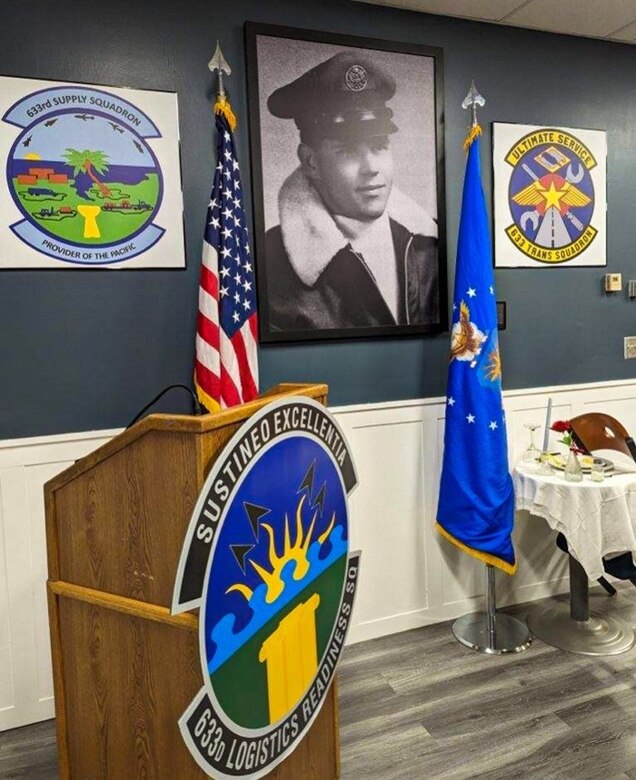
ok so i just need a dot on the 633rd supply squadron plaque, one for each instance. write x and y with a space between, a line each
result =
266 560
92 177
550 196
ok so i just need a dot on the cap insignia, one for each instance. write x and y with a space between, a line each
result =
356 78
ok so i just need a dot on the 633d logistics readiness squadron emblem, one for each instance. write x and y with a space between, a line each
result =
552 198
266 560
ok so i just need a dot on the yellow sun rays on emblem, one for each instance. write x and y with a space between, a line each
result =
296 552
493 369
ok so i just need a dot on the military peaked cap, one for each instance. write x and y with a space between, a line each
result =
343 97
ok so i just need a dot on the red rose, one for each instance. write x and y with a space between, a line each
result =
560 426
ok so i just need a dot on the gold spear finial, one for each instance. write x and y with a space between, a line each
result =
472 100
219 63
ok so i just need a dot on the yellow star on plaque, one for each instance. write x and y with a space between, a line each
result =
553 196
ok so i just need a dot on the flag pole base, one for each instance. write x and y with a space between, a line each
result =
508 635
491 632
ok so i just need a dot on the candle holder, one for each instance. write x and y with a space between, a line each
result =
544 466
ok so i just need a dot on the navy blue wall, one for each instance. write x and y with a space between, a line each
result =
85 350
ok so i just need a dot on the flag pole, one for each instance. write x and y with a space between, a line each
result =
488 632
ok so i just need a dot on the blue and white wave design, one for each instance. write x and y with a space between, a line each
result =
227 642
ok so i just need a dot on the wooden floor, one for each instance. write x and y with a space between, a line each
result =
418 705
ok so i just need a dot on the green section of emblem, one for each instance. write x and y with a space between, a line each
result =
240 685
123 208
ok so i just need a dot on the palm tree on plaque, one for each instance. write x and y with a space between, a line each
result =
89 161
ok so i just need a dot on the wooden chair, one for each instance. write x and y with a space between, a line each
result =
600 431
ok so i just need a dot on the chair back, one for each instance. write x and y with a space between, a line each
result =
599 431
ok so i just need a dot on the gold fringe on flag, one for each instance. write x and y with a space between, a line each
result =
211 404
484 557
475 131
222 106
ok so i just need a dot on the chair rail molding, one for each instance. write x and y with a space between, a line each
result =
409 576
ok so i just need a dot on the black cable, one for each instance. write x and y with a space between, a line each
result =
196 406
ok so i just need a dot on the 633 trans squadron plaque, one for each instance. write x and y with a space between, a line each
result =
550 196
266 560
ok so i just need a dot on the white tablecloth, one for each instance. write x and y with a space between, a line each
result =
597 518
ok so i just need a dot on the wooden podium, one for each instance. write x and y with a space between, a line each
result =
124 668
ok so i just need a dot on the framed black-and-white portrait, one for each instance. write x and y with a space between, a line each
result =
347 145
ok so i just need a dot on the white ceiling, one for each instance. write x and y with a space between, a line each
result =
610 19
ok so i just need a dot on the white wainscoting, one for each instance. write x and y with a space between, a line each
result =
26 684
409 575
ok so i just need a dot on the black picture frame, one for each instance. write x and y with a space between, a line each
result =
433 316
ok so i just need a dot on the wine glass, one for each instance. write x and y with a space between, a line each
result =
531 455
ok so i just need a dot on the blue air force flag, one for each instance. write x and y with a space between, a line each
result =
476 501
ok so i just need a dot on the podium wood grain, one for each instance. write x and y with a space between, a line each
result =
124 668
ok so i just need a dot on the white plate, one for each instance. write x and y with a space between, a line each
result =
559 461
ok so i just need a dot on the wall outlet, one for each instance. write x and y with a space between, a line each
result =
630 347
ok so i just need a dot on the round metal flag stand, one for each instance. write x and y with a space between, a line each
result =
491 632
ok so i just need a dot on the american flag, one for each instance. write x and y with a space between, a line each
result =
226 363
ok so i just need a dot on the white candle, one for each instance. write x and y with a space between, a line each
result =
546 434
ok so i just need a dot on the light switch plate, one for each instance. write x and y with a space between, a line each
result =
630 347
613 282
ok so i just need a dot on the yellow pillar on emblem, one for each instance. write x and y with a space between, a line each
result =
91 228
291 656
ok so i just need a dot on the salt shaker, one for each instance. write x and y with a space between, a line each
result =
597 470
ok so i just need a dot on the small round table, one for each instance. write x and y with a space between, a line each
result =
597 519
